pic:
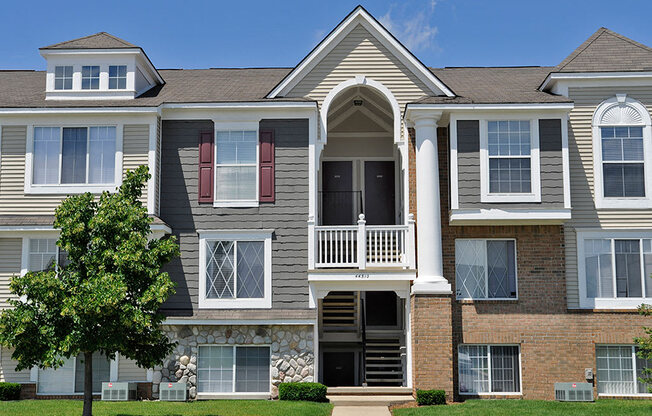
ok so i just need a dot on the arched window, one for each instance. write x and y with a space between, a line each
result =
621 153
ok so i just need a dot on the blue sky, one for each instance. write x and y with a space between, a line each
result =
248 33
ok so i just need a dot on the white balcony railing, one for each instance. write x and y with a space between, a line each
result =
361 246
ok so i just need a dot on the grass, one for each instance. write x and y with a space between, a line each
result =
605 407
199 408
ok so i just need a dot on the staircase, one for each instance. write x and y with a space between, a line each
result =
340 311
384 361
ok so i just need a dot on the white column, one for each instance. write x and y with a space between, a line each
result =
430 273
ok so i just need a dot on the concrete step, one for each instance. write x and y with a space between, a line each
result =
369 400
373 390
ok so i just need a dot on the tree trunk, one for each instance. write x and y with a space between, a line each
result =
88 384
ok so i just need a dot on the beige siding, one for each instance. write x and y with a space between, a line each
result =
10 255
129 371
135 148
584 214
13 200
360 53
8 371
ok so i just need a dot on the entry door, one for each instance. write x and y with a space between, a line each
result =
379 192
337 193
339 368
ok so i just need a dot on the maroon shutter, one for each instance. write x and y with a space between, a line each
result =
206 167
267 166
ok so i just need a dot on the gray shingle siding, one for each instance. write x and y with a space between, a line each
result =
287 216
468 165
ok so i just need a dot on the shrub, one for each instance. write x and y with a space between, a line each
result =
9 391
430 397
310 392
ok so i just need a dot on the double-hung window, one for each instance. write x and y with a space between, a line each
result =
63 77
117 77
485 269
74 156
489 369
235 269
236 170
90 77
621 151
619 369
233 369
615 272
510 161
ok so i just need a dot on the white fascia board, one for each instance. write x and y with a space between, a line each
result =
243 105
496 216
489 107
359 16
160 227
79 110
367 275
283 321
554 77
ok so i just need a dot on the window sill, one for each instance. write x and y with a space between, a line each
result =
263 303
622 396
470 301
623 203
609 303
491 394
530 197
236 396
236 204
68 189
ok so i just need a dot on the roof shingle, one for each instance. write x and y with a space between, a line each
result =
101 40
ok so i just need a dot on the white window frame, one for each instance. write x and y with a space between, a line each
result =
236 126
633 347
615 302
535 168
486 268
236 394
520 370
602 202
71 188
72 76
237 303
108 71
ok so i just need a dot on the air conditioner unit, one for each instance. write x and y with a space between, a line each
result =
116 392
173 392
574 392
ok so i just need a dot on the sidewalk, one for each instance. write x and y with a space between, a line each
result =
361 411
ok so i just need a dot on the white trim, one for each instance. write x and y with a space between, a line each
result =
241 126
360 16
234 394
602 202
485 107
78 110
535 167
236 303
152 165
242 105
634 371
454 170
554 77
486 269
565 160
615 302
280 321
503 216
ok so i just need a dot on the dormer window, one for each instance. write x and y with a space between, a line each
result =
63 78
117 77
90 77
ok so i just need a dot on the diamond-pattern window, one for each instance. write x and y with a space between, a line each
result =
235 269
485 269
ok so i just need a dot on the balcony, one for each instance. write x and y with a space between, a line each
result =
362 246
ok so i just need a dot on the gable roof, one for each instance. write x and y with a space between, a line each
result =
608 51
360 16
101 40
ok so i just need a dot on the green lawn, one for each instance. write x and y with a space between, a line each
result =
605 407
200 408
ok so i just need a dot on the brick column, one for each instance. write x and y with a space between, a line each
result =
432 343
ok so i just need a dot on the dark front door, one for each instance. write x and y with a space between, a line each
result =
339 368
379 192
337 193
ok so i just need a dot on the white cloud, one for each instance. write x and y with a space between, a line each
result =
414 30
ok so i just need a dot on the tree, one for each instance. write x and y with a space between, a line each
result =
105 298
645 346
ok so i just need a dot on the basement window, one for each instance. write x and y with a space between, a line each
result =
489 369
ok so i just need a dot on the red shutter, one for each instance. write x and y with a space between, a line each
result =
266 166
205 188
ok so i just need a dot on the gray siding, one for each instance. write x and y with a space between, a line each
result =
468 166
287 216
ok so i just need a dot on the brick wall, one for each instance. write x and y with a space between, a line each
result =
556 344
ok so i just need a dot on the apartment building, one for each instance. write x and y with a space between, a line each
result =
360 219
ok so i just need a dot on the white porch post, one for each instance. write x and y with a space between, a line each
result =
430 272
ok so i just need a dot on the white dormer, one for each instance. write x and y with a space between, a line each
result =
99 66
